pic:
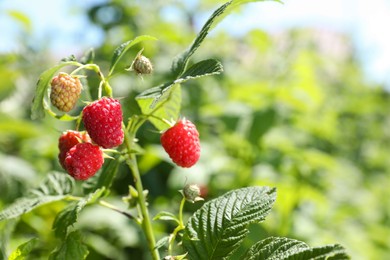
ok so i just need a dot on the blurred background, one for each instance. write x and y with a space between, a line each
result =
303 105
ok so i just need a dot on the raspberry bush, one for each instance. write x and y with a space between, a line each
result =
102 139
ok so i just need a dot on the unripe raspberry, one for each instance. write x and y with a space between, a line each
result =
65 91
69 139
83 160
182 144
142 65
191 192
103 122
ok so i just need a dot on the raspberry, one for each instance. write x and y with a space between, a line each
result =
83 160
65 91
181 142
69 139
142 65
103 122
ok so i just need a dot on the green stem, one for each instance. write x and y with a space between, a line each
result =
145 221
110 206
180 227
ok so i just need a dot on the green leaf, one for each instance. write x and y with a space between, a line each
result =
22 19
162 242
216 230
180 63
124 47
55 187
37 108
88 57
280 248
68 216
104 178
164 101
164 215
262 122
71 248
168 107
23 250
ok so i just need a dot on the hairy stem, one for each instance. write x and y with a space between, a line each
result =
145 221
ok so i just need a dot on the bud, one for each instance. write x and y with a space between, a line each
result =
141 64
65 91
191 193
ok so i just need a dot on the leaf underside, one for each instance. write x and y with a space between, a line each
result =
55 187
164 101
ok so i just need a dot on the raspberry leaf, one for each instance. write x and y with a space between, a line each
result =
217 229
168 107
68 216
180 62
164 101
71 248
280 248
37 108
124 47
55 187
23 250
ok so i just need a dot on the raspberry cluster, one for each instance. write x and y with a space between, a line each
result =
80 152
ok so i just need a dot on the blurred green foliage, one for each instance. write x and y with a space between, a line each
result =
292 111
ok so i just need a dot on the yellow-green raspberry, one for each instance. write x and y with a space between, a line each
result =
142 65
65 91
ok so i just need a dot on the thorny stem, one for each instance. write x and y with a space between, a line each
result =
146 224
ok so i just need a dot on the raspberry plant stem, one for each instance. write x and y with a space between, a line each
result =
179 227
145 218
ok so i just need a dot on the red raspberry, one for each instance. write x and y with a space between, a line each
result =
65 91
83 160
181 142
103 122
69 139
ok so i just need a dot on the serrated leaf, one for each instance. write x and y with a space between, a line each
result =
104 178
71 248
68 216
23 250
55 187
164 215
164 101
280 248
216 230
37 108
180 63
124 47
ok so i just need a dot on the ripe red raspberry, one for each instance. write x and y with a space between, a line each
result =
103 122
181 142
65 91
69 139
83 160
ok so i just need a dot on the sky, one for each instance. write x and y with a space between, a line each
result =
365 21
